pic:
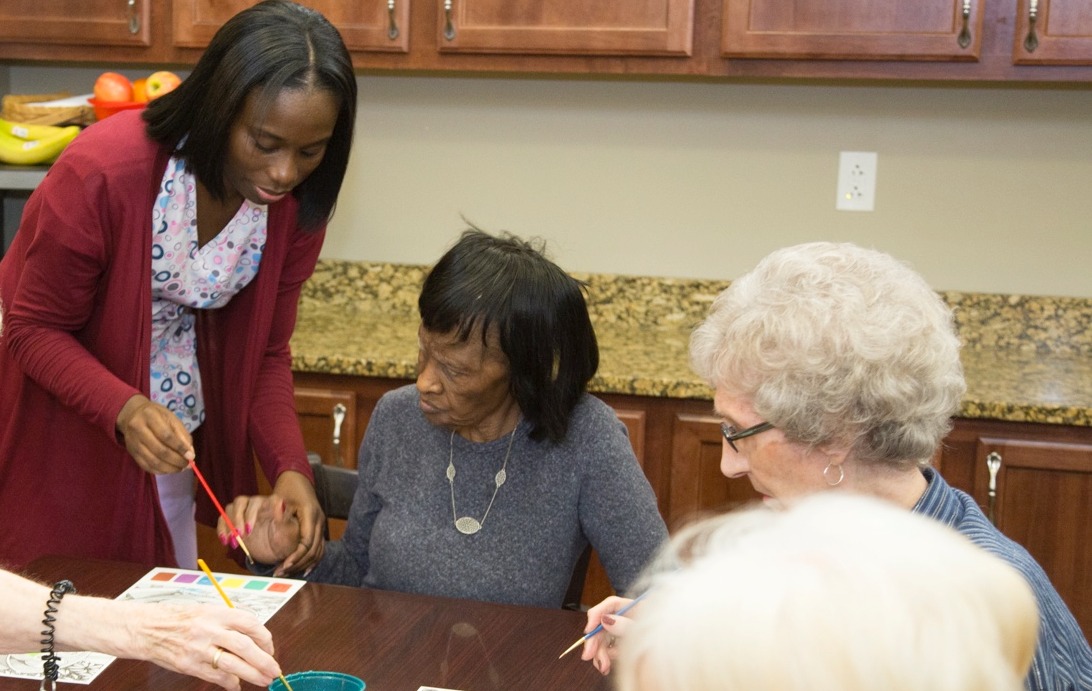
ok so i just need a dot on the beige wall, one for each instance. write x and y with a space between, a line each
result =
981 189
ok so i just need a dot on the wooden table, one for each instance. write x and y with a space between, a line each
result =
393 641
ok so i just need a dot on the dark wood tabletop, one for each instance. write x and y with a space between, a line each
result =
393 641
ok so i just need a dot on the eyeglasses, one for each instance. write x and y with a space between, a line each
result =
731 435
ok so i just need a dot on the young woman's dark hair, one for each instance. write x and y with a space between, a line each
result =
538 311
274 45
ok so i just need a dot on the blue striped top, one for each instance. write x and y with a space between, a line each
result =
1063 660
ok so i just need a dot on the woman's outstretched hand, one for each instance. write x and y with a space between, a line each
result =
211 642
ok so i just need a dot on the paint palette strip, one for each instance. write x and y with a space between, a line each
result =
227 581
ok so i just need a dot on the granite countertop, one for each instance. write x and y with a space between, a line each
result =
1026 359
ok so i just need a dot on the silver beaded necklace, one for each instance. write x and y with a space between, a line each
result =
468 525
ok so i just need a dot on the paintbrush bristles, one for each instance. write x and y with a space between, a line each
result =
242 546
571 648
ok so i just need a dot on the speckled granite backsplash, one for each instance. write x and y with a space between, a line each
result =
1026 358
985 321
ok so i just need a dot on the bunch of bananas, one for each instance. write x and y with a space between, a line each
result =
28 145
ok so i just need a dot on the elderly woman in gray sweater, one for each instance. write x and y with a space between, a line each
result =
489 476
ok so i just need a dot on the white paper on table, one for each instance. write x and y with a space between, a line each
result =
262 597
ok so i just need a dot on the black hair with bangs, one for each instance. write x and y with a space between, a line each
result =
539 312
266 48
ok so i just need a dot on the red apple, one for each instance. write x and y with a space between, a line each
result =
159 83
111 86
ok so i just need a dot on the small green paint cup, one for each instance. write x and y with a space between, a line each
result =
319 681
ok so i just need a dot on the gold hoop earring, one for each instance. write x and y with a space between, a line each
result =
827 474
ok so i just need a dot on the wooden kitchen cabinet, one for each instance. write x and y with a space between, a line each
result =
101 23
573 27
328 421
1042 495
317 398
570 27
931 40
934 39
365 25
1053 32
697 485
853 29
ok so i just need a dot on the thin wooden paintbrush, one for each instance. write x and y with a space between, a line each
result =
216 502
599 628
205 568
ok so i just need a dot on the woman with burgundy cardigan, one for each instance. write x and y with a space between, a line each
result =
150 294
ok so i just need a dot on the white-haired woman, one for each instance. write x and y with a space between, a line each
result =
839 592
837 368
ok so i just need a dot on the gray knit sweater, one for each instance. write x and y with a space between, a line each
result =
557 498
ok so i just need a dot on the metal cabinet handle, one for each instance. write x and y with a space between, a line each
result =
134 18
1031 41
449 26
993 464
392 25
964 38
339 417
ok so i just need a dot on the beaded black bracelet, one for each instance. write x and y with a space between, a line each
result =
50 667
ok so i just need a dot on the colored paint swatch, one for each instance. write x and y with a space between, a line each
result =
227 581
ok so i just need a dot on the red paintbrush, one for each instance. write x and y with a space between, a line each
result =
216 503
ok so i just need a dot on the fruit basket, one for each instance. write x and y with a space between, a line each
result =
31 109
104 109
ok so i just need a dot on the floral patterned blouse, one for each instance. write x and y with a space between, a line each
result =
187 277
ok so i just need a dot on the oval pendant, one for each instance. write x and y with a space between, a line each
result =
467 525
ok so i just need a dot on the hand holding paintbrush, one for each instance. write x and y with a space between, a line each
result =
600 611
229 603
154 436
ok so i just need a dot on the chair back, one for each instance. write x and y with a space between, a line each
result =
576 584
334 487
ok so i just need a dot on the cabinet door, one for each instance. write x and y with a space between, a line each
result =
1053 32
852 29
566 27
365 25
1043 501
635 421
87 22
328 420
697 485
